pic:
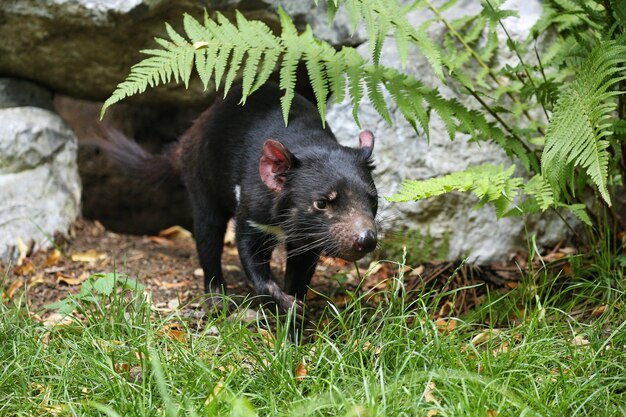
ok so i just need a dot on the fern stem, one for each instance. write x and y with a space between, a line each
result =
569 226
476 57
521 60
499 119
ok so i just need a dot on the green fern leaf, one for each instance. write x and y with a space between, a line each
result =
576 134
373 83
293 46
488 182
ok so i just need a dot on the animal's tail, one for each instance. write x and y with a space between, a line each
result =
136 161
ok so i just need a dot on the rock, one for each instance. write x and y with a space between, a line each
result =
84 48
38 173
400 154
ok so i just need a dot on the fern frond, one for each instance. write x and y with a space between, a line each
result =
488 182
576 135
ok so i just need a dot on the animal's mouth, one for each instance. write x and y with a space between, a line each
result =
350 255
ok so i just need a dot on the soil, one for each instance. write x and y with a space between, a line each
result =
168 266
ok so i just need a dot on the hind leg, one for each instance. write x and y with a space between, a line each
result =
209 228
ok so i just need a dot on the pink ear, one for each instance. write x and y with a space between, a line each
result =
275 161
366 142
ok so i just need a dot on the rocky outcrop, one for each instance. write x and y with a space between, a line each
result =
401 153
84 48
39 183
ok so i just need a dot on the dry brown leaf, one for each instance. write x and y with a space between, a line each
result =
165 284
445 325
121 368
579 340
503 348
492 413
512 284
57 320
52 259
175 233
34 281
232 268
342 300
173 331
267 337
160 241
91 256
229 236
71 280
446 309
26 268
432 412
216 390
23 250
483 337
14 287
300 372
417 271
429 392
598 311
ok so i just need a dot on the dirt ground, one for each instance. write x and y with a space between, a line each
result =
168 266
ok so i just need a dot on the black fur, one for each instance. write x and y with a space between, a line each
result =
318 194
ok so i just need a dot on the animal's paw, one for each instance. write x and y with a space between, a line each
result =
288 303
215 304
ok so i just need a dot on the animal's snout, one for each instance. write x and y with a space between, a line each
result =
365 241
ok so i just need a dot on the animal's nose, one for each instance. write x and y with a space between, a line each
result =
365 241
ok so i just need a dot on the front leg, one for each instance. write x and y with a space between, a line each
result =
255 251
300 270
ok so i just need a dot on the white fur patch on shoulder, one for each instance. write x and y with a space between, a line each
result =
269 229
237 193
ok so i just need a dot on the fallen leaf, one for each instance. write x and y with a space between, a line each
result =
482 337
429 392
216 390
445 325
232 268
26 268
492 413
34 281
52 259
121 368
22 248
503 348
432 412
512 284
598 311
300 372
167 285
57 320
160 241
342 300
267 337
13 287
417 271
446 309
173 331
579 340
198 272
175 233
91 256
71 280
229 236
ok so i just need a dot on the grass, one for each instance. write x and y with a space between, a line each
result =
544 349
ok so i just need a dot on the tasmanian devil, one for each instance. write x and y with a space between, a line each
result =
293 184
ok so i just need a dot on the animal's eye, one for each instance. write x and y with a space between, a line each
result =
320 204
